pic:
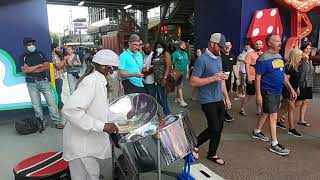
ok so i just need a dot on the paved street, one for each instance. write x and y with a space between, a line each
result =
246 158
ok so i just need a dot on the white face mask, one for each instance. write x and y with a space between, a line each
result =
159 50
31 48
113 75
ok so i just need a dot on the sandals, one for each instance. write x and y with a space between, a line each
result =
304 124
216 160
282 120
243 113
195 153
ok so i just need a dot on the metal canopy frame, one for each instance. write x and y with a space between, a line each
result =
136 4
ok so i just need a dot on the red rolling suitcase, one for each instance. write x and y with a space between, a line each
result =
44 166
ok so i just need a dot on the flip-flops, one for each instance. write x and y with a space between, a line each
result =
304 124
216 160
195 153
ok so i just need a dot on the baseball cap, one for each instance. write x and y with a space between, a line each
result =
218 38
134 37
54 45
106 57
26 40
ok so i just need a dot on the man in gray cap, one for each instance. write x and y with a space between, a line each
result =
131 65
208 76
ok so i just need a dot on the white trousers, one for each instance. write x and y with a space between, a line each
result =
86 168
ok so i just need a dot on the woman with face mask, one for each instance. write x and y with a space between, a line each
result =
181 61
86 134
162 64
73 64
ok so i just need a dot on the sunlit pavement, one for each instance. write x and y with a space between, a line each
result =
245 157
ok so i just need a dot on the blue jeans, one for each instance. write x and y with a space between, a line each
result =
35 89
72 81
151 90
59 84
162 99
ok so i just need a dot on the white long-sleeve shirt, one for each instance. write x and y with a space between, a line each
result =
86 113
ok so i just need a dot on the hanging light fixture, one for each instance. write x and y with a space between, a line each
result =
127 6
81 3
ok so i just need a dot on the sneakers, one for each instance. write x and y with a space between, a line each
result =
243 113
176 100
260 136
279 149
57 126
194 99
280 125
40 125
239 98
228 118
183 104
294 132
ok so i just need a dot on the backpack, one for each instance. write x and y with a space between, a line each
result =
26 126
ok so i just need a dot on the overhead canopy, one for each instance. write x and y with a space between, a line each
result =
136 4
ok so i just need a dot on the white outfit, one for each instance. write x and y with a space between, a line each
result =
147 63
86 113
242 57
86 168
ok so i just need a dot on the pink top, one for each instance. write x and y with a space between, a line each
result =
251 60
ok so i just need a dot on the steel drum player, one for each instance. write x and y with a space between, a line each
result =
86 134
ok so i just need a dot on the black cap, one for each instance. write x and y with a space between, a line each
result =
54 45
305 44
26 40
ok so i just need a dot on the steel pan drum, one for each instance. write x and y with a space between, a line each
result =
132 111
140 148
137 120
177 137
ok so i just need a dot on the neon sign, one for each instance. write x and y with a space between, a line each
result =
13 88
300 23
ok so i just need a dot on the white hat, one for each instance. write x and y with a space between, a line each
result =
106 57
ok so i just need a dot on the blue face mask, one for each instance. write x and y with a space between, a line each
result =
31 48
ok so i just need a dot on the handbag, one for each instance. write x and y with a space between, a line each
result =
175 74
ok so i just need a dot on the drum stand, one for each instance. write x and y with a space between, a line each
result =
116 162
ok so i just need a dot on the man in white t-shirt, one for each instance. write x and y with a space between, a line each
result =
242 69
149 78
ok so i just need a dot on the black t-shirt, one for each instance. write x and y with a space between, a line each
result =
32 59
294 81
228 61
294 76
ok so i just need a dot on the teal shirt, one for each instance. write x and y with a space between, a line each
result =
181 61
132 63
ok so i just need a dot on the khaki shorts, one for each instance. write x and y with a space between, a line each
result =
180 85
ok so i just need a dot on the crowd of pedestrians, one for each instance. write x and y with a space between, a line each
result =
279 86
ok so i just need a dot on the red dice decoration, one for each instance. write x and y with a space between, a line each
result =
264 22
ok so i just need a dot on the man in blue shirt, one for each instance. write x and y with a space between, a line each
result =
131 65
35 66
270 79
208 76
